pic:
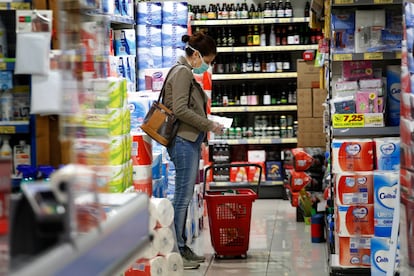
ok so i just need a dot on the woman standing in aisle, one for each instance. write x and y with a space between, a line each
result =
185 97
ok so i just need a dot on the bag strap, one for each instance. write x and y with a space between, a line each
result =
161 96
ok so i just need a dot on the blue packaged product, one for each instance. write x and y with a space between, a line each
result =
393 95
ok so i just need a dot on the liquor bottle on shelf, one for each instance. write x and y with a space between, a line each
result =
267 11
256 65
306 11
238 11
218 11
190 12
266 97
262 36
283 36
249 63
252 98
271 64
203 11
233 65
283 97
225 98
278 36
272 36
256 36
279 64
231 97
288 9
273 9
224 12
280 12
252 11
263 65
249 36
224 38
232 12
212 13
285 63
230 38
244 12
290 35
219 38
243 97
259 11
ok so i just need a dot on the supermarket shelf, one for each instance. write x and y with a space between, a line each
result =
263 108
254 76
244 184
366 56
366 131
108 250
338 270
249 21
254 141
238 49
122 20
339 3
13 127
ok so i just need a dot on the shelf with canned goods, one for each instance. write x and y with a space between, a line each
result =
217 22
254 76
242 49
367 56
364 2
265 108
254 141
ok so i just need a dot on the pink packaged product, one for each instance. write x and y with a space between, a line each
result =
355 70
366 102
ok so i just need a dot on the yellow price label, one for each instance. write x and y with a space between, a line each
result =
373 56
342 57
3 65
7 129
348 120
398 55
284 20
383 1
344 2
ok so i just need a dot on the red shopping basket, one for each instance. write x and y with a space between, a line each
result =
229 215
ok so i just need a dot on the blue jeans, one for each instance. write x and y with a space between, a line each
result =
186 157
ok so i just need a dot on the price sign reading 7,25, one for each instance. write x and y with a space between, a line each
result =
348 120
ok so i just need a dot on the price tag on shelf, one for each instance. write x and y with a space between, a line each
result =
3 65
7 129
348 120
398 55
373 56
383 1
344 2
342 57
284 20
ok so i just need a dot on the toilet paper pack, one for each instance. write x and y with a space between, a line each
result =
352 155
354 251
354 188
355 220
387 153
380 256
174 12
385 200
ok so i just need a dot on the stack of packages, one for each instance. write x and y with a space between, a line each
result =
310 97
161 257
306 171
160 28
366 173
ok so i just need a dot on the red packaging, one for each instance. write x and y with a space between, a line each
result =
354 251
352 155
141 150
253 172
355 220
298 180
301 159
238 174
354 188
357 69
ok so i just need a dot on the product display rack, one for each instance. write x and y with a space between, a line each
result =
381 59
266 78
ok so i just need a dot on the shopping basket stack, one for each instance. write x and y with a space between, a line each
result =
229 213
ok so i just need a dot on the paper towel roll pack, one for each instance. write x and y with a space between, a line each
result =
380 256
164 240
354 251
141 151
175 266
355 220
162 210
352 155
354 188
156 266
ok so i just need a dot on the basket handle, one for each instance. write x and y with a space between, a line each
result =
233 166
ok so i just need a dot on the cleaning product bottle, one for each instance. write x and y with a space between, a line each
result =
21 155
6 105
28 173
3 40
6 150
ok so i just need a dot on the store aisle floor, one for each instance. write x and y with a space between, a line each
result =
278 246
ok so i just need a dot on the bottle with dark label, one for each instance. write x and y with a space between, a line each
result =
257 65
288 9
307 9
259 11
280 11
252 11
249 63
273 9
232 12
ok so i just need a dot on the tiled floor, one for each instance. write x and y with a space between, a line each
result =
278 246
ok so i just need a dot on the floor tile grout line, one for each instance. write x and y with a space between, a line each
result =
271 242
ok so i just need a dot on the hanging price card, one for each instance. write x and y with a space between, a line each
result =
347 120
7 129
383 1
339 2
373 56
342 57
